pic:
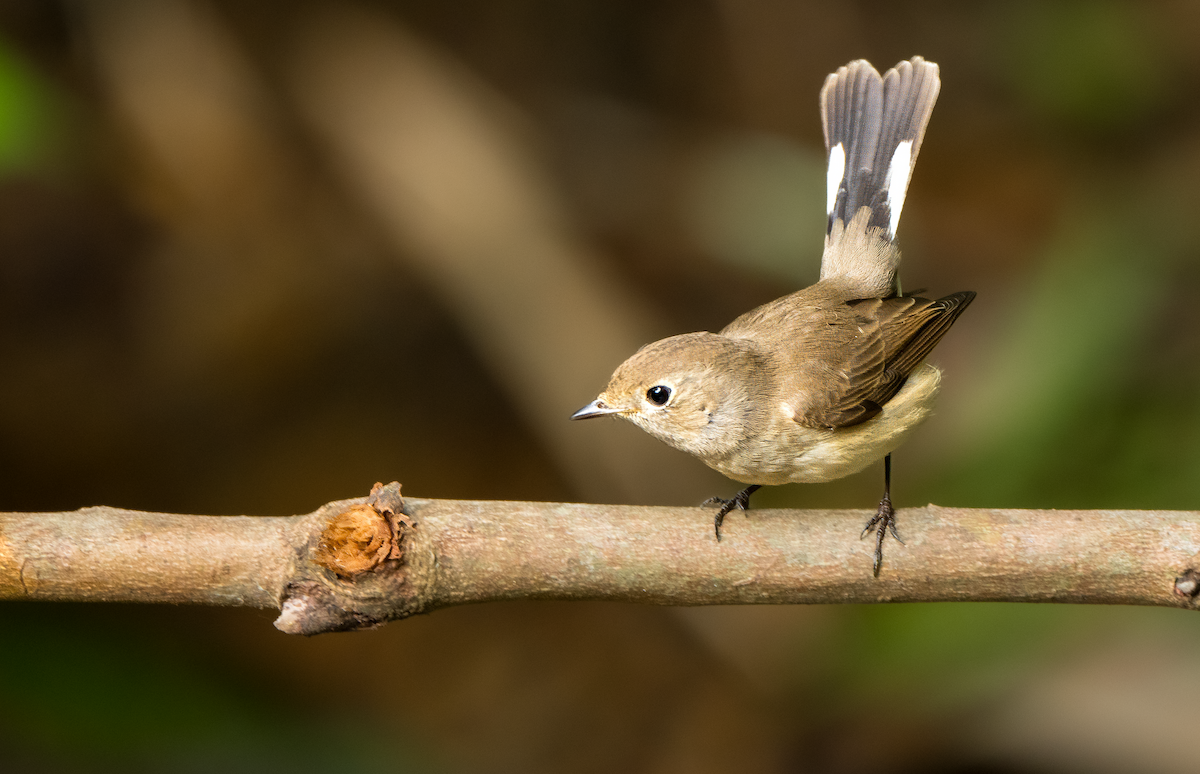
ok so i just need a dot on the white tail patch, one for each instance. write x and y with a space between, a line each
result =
834 176
897 182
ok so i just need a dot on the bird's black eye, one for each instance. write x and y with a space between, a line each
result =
658 395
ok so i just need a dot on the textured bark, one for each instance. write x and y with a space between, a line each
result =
358 563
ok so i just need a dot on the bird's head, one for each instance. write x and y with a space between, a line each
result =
690 391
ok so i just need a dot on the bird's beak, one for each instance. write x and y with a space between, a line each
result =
595 409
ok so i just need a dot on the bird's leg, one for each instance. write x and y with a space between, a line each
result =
884 519
739 500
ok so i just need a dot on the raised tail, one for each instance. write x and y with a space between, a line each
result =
873 130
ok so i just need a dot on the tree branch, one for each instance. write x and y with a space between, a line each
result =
359 563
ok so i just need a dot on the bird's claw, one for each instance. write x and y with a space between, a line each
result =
741 501
883 522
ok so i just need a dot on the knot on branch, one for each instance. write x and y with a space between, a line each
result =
363 537
355 576
1188 585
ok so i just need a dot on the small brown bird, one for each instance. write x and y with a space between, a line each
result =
820 383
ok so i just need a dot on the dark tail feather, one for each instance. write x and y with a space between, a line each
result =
873 131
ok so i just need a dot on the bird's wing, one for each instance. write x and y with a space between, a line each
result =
880 342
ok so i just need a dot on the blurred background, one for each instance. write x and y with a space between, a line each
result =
258 256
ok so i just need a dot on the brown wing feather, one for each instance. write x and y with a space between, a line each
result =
849 385
894 337
920 337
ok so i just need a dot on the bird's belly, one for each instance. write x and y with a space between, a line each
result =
794 453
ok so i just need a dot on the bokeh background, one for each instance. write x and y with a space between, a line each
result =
258 256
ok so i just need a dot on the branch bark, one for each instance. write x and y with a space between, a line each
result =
359 563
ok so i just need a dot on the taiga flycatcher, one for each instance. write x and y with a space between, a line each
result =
820 383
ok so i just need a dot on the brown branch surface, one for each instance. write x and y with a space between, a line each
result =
358 563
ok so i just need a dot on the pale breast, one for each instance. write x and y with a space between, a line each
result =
791 453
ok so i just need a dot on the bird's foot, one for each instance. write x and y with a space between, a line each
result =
881 523
741 500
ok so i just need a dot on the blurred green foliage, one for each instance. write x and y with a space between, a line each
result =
1062 414
90 697
31 120
1096 67
756 203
